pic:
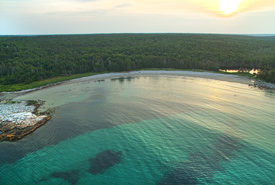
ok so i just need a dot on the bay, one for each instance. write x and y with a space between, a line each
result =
168 130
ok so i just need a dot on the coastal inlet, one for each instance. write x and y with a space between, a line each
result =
20 118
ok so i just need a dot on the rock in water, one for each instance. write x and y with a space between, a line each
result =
179 177
70 176
104 160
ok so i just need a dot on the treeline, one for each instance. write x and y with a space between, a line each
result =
24 59
268 75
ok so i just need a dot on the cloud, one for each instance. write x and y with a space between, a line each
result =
211 7
257 5
130 7
85 0
123 5
90 9
86 16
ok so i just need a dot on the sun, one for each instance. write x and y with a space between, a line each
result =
229 6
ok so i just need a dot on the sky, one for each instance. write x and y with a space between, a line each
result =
31 17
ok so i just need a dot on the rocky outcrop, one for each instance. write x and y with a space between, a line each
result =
18 119
263 85
11 131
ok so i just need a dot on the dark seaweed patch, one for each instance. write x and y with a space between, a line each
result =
202 165
179 176
70 176
104 161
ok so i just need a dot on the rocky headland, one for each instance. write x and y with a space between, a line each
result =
20 118
263 85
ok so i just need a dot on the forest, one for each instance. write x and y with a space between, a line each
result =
25 59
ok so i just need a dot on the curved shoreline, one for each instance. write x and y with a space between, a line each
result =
143 73
28 94
206 74
64 91
200 74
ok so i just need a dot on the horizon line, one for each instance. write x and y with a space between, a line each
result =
55 34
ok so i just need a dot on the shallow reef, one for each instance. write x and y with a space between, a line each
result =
103 161
71 176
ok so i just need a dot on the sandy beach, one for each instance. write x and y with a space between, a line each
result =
209 75
74 90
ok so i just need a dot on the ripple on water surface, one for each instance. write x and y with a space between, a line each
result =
151 130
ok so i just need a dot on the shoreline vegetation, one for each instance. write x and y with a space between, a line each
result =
42 83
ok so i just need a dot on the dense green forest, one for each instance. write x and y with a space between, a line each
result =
24 59
268 75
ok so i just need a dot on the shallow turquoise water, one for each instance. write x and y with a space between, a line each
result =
170 130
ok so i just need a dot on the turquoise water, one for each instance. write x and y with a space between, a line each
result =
168 130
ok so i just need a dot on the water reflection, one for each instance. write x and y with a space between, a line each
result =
122 79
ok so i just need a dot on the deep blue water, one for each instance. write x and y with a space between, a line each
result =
151 130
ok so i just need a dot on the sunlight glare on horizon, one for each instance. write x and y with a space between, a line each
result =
109 16
229 6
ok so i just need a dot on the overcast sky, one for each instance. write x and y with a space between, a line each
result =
136 16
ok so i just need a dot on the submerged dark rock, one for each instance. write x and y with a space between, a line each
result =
103 161
203 164
70 176
179 176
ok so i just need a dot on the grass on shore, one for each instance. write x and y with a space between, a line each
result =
201 70
238 73
23 86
